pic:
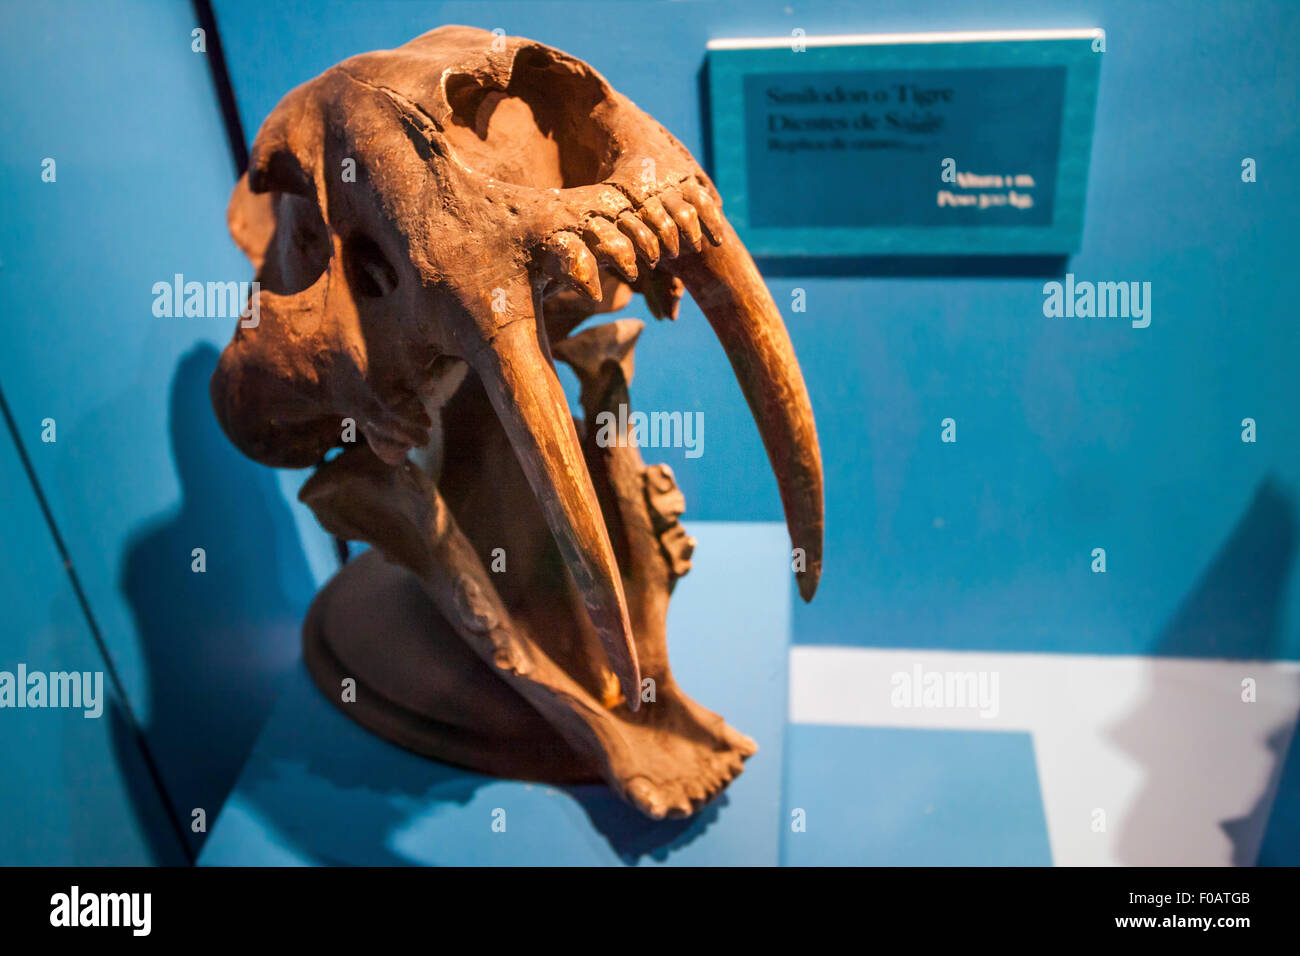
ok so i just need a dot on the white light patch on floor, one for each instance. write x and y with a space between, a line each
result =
1141 760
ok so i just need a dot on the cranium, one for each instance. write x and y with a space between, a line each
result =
430 224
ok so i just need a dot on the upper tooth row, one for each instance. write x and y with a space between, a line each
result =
685 212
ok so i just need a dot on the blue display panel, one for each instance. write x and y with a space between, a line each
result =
876 796
320 789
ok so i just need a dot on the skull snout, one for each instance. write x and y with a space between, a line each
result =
265 416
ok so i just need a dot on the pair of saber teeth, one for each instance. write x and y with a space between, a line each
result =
530 403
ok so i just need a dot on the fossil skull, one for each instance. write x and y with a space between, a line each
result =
430 224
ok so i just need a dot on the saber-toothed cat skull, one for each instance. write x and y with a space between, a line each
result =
429 225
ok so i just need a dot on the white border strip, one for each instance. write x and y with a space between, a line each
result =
877 39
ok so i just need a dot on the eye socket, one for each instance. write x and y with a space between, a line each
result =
368 269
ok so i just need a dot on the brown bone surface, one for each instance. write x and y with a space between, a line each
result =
430 225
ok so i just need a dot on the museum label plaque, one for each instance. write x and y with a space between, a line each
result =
910 144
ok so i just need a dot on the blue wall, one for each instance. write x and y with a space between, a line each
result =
74 790
140 474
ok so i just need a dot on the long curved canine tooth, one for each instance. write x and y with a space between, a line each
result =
647 246
530 404
570 261
709 212
729 290
656 217
608 243
683 213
